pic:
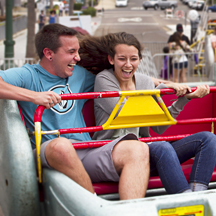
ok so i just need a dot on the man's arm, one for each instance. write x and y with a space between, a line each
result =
47 99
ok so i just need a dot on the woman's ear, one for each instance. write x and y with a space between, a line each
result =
110 59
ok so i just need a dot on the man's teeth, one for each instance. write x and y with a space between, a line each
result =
71 65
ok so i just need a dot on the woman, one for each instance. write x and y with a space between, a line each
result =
118 55
52 17
180 61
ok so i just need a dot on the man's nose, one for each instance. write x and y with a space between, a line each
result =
77 57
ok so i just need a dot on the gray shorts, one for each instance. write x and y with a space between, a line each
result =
97 161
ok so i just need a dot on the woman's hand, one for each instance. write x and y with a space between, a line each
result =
200 92
181 89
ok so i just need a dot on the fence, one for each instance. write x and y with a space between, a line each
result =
154 66
7 63
149 65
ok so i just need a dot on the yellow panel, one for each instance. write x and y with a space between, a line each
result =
195 210
139 118
140 108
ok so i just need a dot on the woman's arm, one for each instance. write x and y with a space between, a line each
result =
181 89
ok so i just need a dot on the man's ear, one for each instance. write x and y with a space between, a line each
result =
48 53
110 59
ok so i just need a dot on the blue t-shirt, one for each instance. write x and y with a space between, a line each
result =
67 114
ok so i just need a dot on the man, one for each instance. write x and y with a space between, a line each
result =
40 84
179 28
41 19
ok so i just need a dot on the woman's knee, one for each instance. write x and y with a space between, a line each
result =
160 149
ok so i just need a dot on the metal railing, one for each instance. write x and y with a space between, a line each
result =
7 63
154 66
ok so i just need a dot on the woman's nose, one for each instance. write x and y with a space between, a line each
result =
128 63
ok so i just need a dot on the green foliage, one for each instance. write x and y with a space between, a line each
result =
78 6
89 11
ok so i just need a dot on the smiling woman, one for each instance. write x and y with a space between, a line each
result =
115 58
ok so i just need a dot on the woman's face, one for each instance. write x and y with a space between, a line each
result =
126 61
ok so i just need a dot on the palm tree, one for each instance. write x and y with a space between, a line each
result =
2 6
30 48
71 6
51 4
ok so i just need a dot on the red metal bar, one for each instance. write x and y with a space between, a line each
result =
89 95
38 113
99 128
172 91
81 130
95 144
198 121
92 95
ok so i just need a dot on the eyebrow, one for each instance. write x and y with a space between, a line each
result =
71 50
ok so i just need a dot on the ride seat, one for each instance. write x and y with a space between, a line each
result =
112 187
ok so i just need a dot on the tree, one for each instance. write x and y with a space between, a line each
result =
51 4
30 48
86 3
71 6
2 6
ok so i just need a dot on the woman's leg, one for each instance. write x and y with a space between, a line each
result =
175 75
164 162
184 72
202 146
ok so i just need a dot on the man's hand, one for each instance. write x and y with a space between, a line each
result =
47 99
200 92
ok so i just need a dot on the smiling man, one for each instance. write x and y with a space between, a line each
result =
41 84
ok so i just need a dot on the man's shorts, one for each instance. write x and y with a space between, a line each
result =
97 161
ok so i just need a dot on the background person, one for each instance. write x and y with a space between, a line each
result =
52 17
213 41
41 19
179 28
119 55
178 47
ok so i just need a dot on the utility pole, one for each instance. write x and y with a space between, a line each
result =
9 42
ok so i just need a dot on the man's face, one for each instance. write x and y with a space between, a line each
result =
66 56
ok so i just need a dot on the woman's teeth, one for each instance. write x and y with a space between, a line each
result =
127 71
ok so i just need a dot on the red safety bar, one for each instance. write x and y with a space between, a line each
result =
93 95
154 182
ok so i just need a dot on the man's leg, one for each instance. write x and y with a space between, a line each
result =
61 156
131 161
